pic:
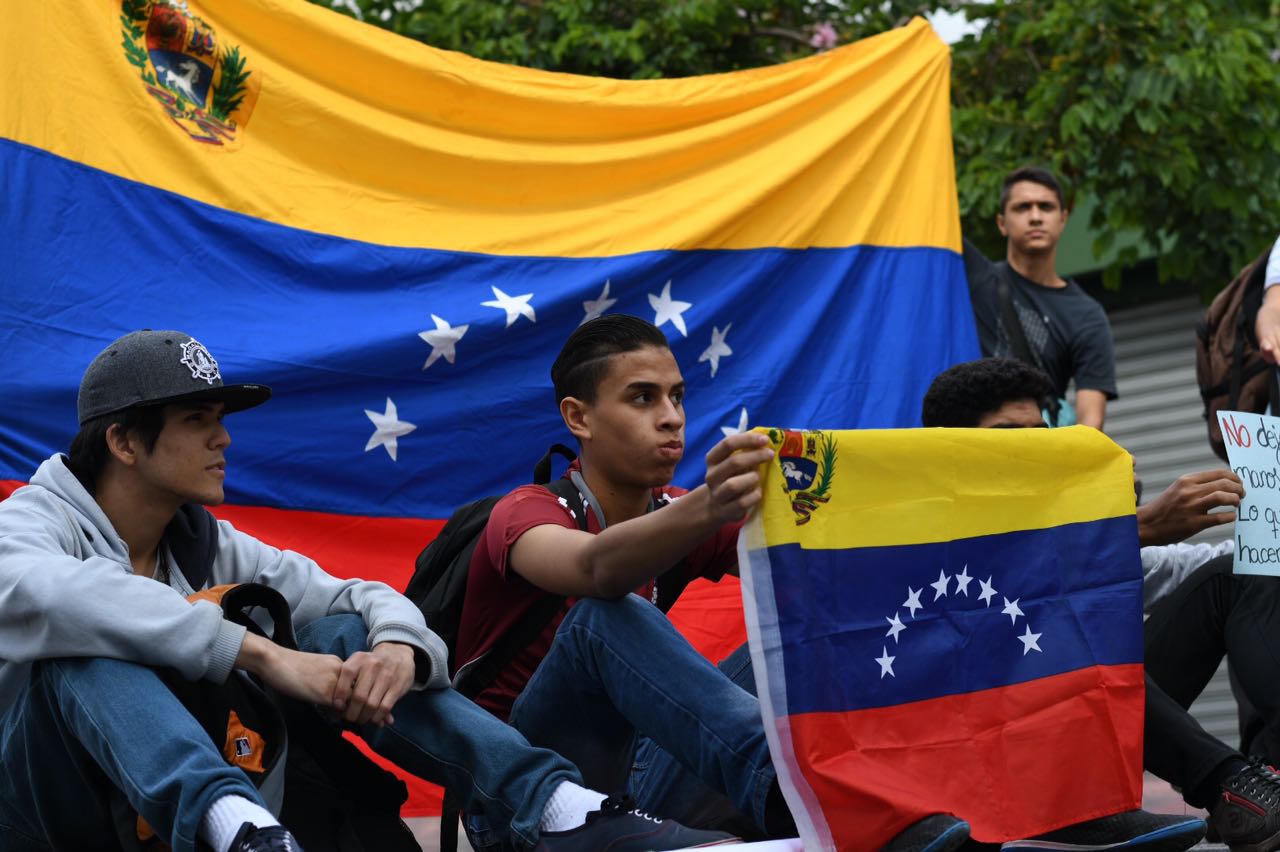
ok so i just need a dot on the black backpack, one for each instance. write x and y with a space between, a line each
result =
439 582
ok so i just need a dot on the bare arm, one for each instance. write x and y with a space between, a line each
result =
1267 325
1183 509
312 678
1091 408
626 555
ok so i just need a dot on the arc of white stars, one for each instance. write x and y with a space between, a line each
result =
1012 610
886 663
739 429
670 310
387 427
940 586
595 308
443 340
717 350
913 600
988 591
962 581
895 627
515 306
1029 641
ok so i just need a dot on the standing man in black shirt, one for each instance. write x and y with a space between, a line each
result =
1059 328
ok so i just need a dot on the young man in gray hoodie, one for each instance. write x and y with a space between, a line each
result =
97 556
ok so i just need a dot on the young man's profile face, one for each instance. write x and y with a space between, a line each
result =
187 462
636 424
1032 218
1015 414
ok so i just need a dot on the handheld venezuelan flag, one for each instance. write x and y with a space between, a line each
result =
399 239
947 621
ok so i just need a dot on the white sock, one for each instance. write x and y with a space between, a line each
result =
226 815
568 807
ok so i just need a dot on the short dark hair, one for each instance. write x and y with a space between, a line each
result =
584 360
1033 174
88 453
962 395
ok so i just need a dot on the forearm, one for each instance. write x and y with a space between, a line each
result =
623 557
1091 408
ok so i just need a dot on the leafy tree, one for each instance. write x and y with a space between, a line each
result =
1165 112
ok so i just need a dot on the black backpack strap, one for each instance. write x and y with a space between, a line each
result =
472 678
542 470
1009 318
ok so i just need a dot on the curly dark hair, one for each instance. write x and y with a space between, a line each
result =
961 395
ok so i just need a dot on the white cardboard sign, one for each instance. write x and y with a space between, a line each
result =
1253 451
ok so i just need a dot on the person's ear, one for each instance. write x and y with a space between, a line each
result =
122 445
1004 232
577 416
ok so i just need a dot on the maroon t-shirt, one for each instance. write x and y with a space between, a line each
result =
497 598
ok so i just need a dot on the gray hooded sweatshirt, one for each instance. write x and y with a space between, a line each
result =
67 589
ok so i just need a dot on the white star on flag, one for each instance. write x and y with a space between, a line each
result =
442 340
667 309
962 581
939 587
1012 610
886 663
717 350
515 306
913 600
386 428
895 626
1028 641
739 429
988 591
595 308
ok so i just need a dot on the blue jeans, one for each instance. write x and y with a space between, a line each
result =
449 740
83 728
626 698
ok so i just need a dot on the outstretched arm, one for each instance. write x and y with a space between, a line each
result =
624 556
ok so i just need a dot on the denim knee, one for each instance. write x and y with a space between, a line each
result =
341 635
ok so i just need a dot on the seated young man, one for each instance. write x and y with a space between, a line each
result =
1187 634
94 571
610 678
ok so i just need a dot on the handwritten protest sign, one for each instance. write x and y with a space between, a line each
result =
1253 450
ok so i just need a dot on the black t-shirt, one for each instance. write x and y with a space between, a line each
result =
1065 327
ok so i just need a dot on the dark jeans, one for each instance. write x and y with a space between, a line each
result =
84 728
626 698
1212 614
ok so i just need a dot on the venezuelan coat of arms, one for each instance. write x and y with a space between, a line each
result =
808 464
203 85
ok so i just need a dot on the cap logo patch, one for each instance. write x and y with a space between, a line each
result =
202 365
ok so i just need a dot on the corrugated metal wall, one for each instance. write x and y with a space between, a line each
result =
1158 418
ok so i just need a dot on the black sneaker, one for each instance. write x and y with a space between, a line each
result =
937 833
1128 830
619 827
1247 817
274 838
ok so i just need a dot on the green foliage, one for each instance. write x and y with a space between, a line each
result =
637 39
134 53
134 10
1164 112
229 93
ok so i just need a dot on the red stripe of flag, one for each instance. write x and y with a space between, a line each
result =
958 755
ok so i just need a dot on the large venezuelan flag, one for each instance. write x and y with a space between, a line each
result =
398 239
948 621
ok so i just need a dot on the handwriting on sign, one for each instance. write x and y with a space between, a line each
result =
1253 450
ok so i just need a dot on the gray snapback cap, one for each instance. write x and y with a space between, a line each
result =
157 367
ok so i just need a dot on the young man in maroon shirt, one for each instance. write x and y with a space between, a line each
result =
609 683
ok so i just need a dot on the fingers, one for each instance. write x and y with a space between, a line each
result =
371 687
733 443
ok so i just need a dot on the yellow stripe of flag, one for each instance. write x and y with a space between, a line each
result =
362 134
917 486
